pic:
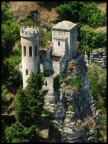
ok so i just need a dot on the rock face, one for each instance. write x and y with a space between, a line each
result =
74 111
98 56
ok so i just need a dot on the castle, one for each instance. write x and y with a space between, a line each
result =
53 58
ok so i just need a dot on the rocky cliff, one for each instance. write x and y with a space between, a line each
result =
74 113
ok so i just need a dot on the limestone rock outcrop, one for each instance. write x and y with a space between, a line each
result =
74 112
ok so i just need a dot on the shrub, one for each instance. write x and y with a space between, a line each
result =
76 83
4 91
29 22
71 67
47 27
44 38
17 133
91 39
71 108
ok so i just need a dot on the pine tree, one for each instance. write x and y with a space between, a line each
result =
22 109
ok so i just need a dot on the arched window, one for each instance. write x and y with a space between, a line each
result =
35 50
24 49
26 72
30 51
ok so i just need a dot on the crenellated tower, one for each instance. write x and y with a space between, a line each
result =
30 51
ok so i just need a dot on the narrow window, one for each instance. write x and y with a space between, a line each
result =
24 49
30 51
46 83
26 72
58 43
35 50
73 38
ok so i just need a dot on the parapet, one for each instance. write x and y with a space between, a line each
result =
29 32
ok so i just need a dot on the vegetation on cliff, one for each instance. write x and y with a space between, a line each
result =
98 89
29 103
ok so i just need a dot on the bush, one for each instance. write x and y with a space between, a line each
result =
71 67
71 108
90 39
9 29
4 91
75 83
17 133
29 22
47 27
11 77
45 37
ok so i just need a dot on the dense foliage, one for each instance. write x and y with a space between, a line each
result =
75 82
4 93
85 12
28 109
22 109
10 59
90 39
18 133
98 88
29 102
9 29
44 36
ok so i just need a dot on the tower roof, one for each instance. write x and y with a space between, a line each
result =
67 25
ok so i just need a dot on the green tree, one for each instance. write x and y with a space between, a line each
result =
29 102
90 39
98 88
22 109
9 29
35 95
10 75
85 12
18 133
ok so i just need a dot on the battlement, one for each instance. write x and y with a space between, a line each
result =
29 31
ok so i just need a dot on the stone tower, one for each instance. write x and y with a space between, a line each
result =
30 51
64 37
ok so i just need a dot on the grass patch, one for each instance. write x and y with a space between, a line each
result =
75 82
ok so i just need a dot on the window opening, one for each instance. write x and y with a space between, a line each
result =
24 50
30 51
35 50
26 72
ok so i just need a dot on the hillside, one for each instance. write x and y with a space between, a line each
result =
47 11
22 9
68 107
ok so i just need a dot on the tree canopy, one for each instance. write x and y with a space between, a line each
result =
84 12
9 29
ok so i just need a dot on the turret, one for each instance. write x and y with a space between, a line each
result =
30 51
